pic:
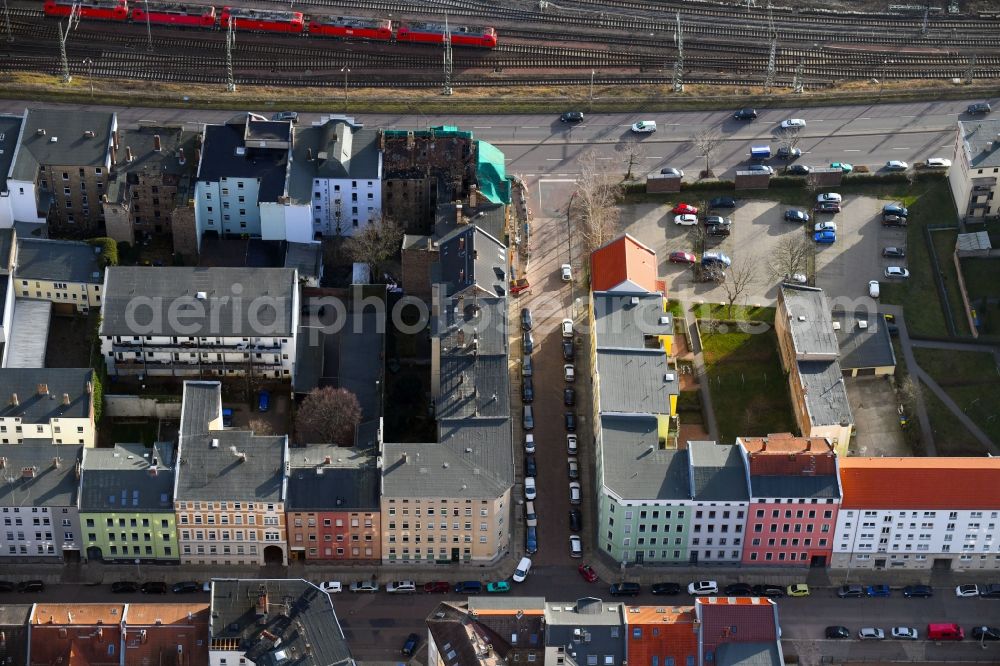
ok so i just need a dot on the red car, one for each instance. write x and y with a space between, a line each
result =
683 258
519 285
685 209
588 573
438 586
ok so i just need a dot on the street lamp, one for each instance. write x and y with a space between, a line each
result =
345 70
592 73
90 74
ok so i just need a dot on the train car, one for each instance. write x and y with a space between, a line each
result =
106 10
262 20
351 28
174 13
461 35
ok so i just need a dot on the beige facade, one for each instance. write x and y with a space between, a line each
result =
218 532
80 295
975 171
76 198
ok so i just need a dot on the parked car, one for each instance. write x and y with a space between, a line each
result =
828 207
722 202
568 351
826 237
878 591
893 252
530 468
187 587
569 420
528 390
986 633
569 372
905 633
401 587
991 591
153 587
499 587
519 285
528 420
937 163
897 272
410 645
530 540
873 288
571 446
922 591
527 342
671 171
574 492
526 319
837 632
770 591
437 587
683 258
527 367
718 230
871 634
896 165
793 123
798 170
530 491
851 591
714 257
530 516
567 328
796 215
894 209
828 197
703 587
798 590
574 467
31 586
625 590
686 220
121 587
368 586
968 590
468 587
571 117
644 127
824 226
227 418
718 219
843 166
978 108
587 572
666 589
529 443
575 546
521 572
575 520
566 273
263 401
331 586
893 221
762 168
684 209
293 116
738 590
745 113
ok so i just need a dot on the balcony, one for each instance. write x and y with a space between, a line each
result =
126 346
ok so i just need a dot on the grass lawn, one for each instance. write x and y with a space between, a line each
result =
749 390
740 312
972 379
944 246
950 436
981 279
674 308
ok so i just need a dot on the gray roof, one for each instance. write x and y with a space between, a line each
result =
339 148
31 477
149 161
636 381
623 322
468 258
71 147
219 159
37 407
809 321
717 472
603 623
350 481
826 397
980 142
296 622
307 258
272 289
748 654
10 129
490 217
224 464
473 386
793 485
472 327
415 241
58 260
868 347
635 467
122 479
14 620
6 247
29 333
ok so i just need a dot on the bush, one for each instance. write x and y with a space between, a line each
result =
787 181
708 185
689 401
869 178
109 250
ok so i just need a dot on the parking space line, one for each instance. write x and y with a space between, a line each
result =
852 150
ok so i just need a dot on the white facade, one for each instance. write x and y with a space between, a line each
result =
916 539
345 206
31 531
195 356
285 221
716 531
20 204
974 187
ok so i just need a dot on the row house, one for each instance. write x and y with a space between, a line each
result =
53 404
918 513
795 494
67 273
230 487
126 504
40 501
720 500
200 322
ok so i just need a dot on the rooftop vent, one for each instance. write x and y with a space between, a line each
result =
202 296
836 325
669 377
634 300
862 324
40 131
240 150
215 443
802 317
664 320
53 139
89 134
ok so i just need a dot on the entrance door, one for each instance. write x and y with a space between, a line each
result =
880 564
639 556
818 561
454 554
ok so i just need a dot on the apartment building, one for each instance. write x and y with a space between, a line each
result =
795 494
167 633
508 631
661 635
67 273
54 404
60 169
40 501
14 625
975 170
126 504
333 504
918 513
76 633
200 322
10 135
720 500
738 630
230 487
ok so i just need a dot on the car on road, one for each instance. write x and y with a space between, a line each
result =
904 633
967 590
569 420
569 397
722 202
770 591
665 589
573 467
571 446
871 634
671 171
787 153
528 342
796 215
681 257
531 540
521 572
437 587
873 288
937 163
410 645
7 586
263 401
893 252
843 166
568 351
575 520
644 127
530 490
686 220
986 633
368 586
798 590
761 168
625 589
829 207
286 115
828 197
921 591
575 496
499 587
823 226
991 591
529 443
569 372
897 272
793 123
798 170
227 418
571 117
878 591
738 590
187 587
588 573
567 328
575 546
745 113
703 587
837 632
851 591
978 108
566 273
153 587
826 237
893 209
331 586
896 165
526 322
530 467
401 587
121 586
684 209
527 391
468 587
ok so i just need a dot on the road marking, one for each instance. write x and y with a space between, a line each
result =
654 158
553 159
530 127
864 118
488 127
605 158
816 121
852 150
901 149
907 116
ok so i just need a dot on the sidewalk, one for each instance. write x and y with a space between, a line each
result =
694 344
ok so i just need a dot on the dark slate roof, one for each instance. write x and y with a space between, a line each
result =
623 322
826 397
602 623
868 347
58 260
748 654
210 465
275 287
717 472
14 621
71 148
635 467
472 326
340 149
809 321
637 381
10 129
50 485
219 159
147 160
789 485
980 142
473 386
307 258
6 248
490 217
350 481
121 479
468 258
296 623
33 407
462 631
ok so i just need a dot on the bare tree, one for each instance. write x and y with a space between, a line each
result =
707 142
328 415
739 278
699 238
792 255
259 426
632 153
377 242
787 138
910 393
593 209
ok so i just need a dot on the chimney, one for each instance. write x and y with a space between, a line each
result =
458 213
3 462
56 461
114 139
763 446
156 143
114 155
66 399
473 196
13 400
153 471
309 154
128 153
43 389
180 157
327 460
262 603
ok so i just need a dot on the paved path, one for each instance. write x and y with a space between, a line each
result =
711 425
959 346
926 434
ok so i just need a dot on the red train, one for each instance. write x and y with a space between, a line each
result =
106 10
174 13
263 20
356 28
433 33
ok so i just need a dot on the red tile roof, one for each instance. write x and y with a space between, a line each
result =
736 620
784 454
623 259
665 631
920 483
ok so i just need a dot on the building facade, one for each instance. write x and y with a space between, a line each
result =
719 503
975 170
67 273
54 404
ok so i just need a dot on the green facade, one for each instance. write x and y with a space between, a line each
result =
644 533
126 536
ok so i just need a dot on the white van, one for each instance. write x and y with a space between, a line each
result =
523 567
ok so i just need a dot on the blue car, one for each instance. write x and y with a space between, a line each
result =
878 591
263 401
825 236
531 540
468 587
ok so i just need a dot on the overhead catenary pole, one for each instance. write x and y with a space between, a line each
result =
230 43
149 31
970 71
448 63
678 81
6 19
90 74
772 60
798 85
66 76
345 70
